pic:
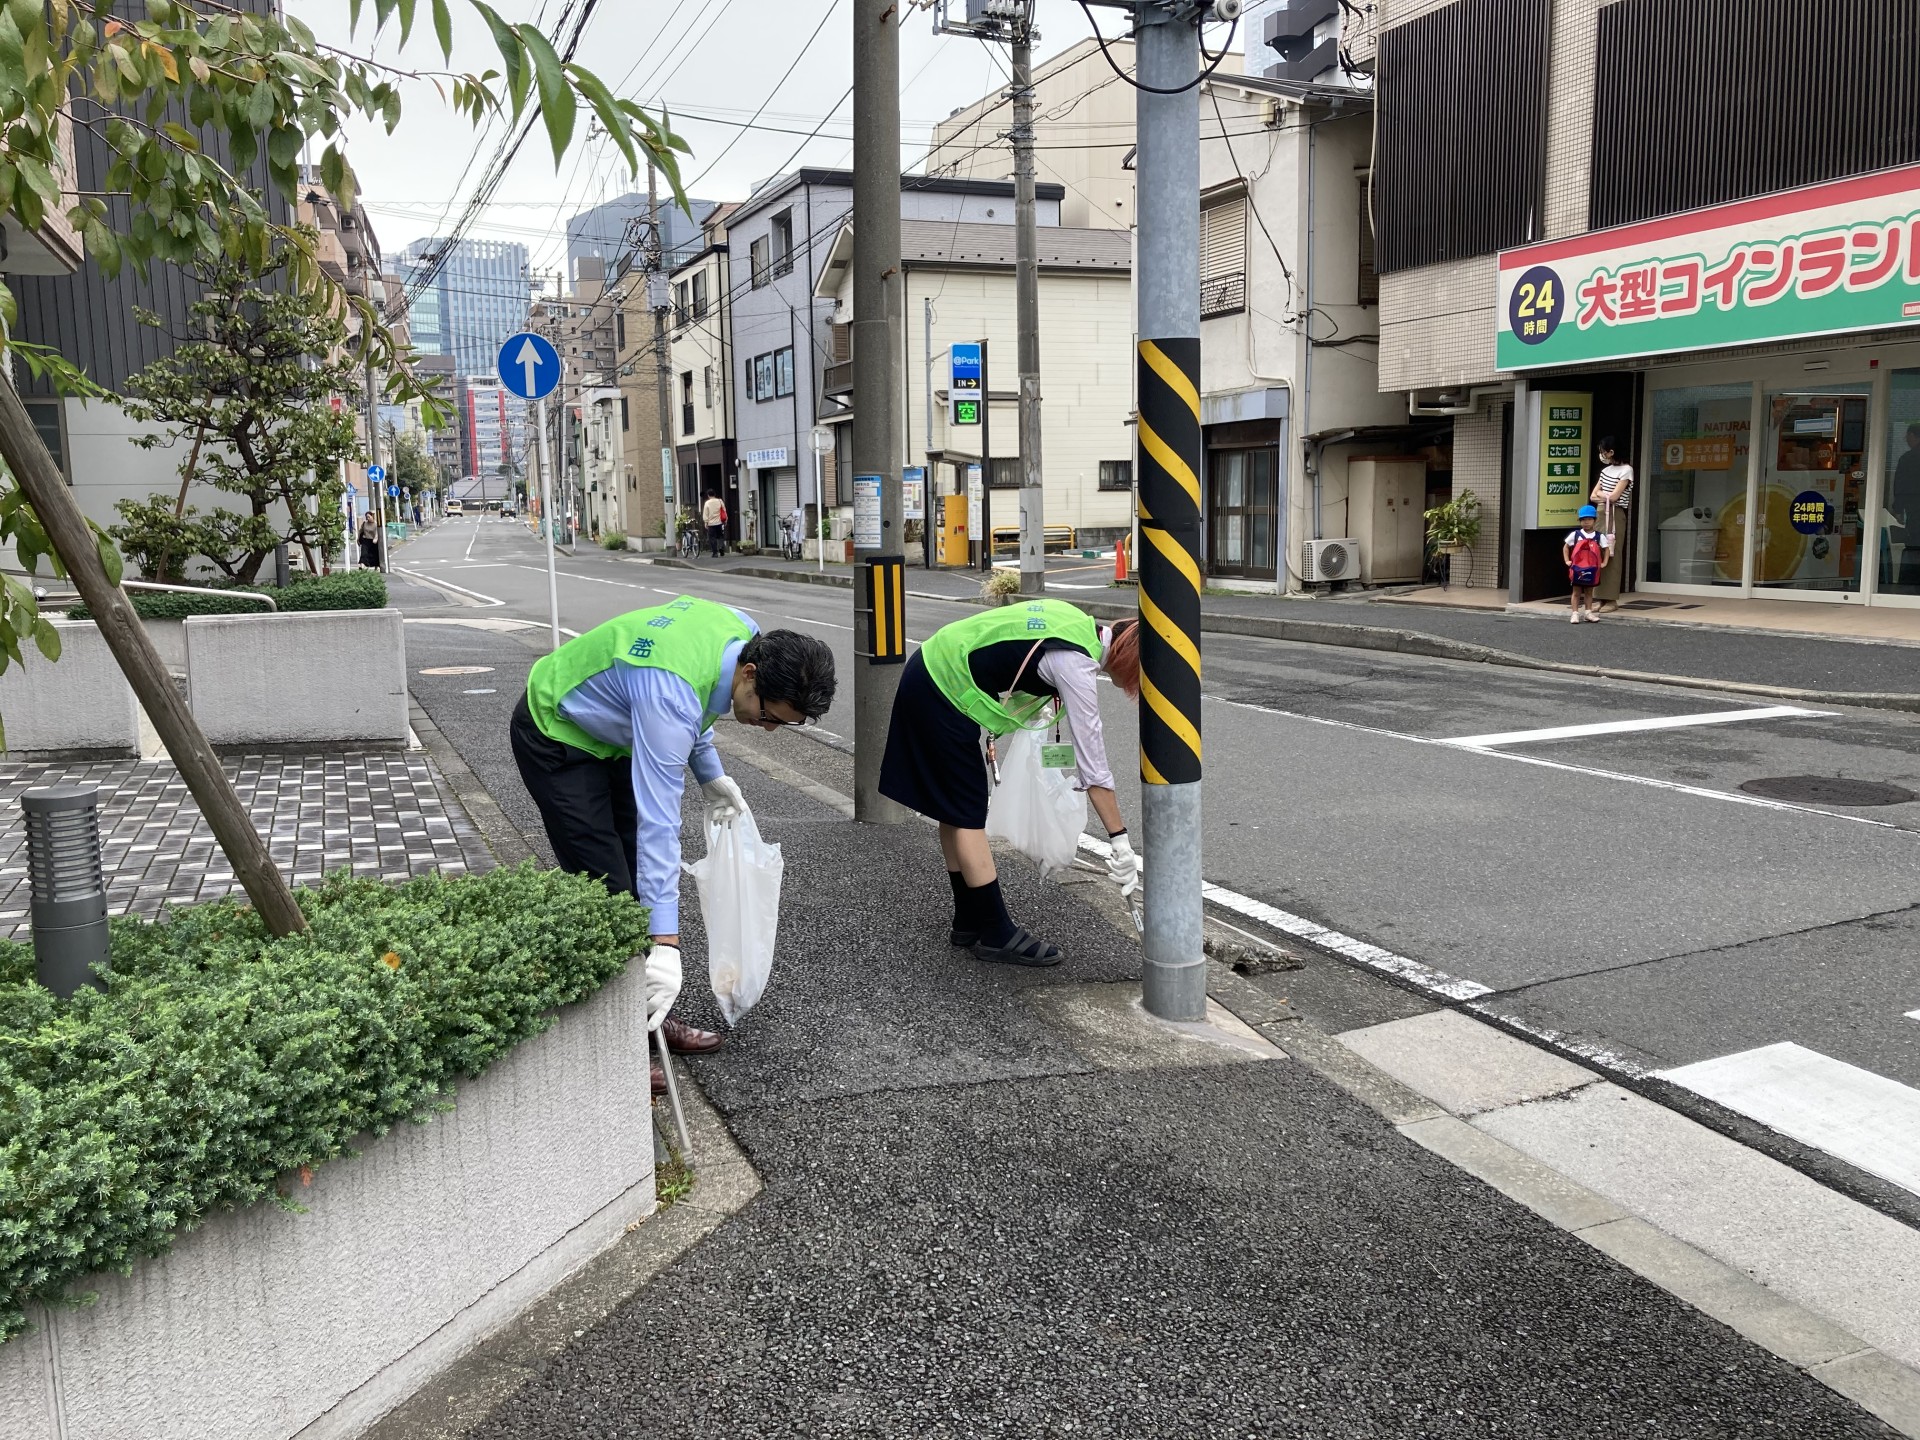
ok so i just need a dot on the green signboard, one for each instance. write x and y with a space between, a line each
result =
1566 424
1816 261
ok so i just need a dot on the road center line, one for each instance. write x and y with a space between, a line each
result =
1625 727
438 584
1699 792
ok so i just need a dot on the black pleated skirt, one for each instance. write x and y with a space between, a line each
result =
934 763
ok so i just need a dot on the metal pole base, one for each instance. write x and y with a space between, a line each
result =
1174 984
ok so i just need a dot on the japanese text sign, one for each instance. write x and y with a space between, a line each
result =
1566 418
1815 261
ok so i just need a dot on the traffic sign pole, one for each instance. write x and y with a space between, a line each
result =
546 526
530 367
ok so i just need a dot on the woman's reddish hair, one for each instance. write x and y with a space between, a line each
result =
1122 659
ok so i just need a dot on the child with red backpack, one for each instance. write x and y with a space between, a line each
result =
1586 552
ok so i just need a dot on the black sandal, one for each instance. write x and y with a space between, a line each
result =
1020 949
963 939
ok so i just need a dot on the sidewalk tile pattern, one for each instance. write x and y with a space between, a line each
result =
390 815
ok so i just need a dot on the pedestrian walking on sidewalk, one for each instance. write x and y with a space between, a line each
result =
1586 552
713 515
369 537
607 725
1612 496
996 672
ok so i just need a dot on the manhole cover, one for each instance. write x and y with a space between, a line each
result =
458 670
1828 790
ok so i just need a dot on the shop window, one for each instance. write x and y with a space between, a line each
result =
1116 474
783 372
1696 486
1899 543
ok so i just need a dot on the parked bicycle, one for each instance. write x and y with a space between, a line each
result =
691 539
790 545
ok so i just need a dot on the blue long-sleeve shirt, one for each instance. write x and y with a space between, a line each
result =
668 727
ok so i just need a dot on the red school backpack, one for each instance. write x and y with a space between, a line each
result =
1585 559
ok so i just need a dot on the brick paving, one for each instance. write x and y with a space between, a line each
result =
391 815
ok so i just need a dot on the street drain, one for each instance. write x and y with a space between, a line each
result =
1828 790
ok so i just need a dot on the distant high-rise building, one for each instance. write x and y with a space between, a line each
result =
479 297
602 231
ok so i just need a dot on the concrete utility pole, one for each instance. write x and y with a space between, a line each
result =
1167 95
878 325
658 300
1026 290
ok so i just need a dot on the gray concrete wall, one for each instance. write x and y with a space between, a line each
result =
324 677
265 1325
82 703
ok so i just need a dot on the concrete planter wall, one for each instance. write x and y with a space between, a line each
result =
79 705
315 677
265 1325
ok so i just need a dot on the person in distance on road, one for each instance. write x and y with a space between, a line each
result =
610 720
996 672
713 515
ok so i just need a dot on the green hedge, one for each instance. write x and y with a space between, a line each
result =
219 1059
342 590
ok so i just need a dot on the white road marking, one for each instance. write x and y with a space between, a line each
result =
1913 1014
1858 1116
1699 792
470 544
1625 727
1436 982
437 583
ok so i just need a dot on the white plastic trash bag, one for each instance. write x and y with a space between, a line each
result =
739 884
1036 809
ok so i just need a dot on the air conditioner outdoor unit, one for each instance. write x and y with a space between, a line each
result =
1324 560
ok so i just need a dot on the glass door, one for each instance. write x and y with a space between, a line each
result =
1809 526
1899 519
1242 513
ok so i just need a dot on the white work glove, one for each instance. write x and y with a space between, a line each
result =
663 983
1123 866
725 803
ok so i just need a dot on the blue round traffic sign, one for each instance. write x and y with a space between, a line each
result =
376 473
529 366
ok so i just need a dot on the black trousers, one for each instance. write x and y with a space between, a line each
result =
586 803
716 539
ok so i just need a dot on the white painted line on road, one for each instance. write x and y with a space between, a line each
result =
1913 1014
1436 982
440 584
470 543
1597 1055
1858 1116
1697 791
1625 727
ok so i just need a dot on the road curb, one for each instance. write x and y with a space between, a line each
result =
1396 641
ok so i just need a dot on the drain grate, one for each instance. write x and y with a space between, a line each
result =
1828 790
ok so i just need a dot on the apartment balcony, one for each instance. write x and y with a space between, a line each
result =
837 379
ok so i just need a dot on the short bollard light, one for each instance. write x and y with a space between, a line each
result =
69 911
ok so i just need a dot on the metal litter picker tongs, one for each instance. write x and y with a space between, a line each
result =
673 1093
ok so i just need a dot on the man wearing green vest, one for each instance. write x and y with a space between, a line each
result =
612 718
994 673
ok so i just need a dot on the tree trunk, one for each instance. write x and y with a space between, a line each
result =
73 540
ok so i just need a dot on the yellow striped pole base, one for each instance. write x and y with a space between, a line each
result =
1169 471
883 609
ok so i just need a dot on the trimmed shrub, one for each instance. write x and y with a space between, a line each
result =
613 539
219 1059
342 590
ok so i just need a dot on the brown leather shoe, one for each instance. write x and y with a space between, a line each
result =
658 1077
685 1039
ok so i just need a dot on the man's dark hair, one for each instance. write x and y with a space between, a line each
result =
791 669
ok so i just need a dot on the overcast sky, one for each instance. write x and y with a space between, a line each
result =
708 63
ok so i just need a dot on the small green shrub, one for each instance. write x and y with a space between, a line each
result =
613 539
342 590
219 1059
1000 586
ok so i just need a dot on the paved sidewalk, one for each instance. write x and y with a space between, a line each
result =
385 814
999 1203
1633 642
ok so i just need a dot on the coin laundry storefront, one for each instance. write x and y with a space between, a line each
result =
1791 470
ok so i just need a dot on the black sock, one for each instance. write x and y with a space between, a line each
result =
990 915
962 901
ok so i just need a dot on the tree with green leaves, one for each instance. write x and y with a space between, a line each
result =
263 85
412 468
247 393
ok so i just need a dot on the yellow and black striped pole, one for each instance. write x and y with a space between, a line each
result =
1167 53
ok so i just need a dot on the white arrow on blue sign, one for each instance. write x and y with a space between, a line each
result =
376 474
529 366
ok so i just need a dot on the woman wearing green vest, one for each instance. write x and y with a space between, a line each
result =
610 721
995 672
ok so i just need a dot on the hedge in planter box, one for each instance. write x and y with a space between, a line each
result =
218 1058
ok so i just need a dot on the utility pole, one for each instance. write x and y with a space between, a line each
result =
373 455
1026 290
1167 96
657 299
878 325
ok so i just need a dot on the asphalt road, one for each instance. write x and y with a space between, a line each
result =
1620 889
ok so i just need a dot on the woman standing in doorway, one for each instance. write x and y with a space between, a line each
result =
1612 495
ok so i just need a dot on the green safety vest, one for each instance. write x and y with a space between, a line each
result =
687 637
946 654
